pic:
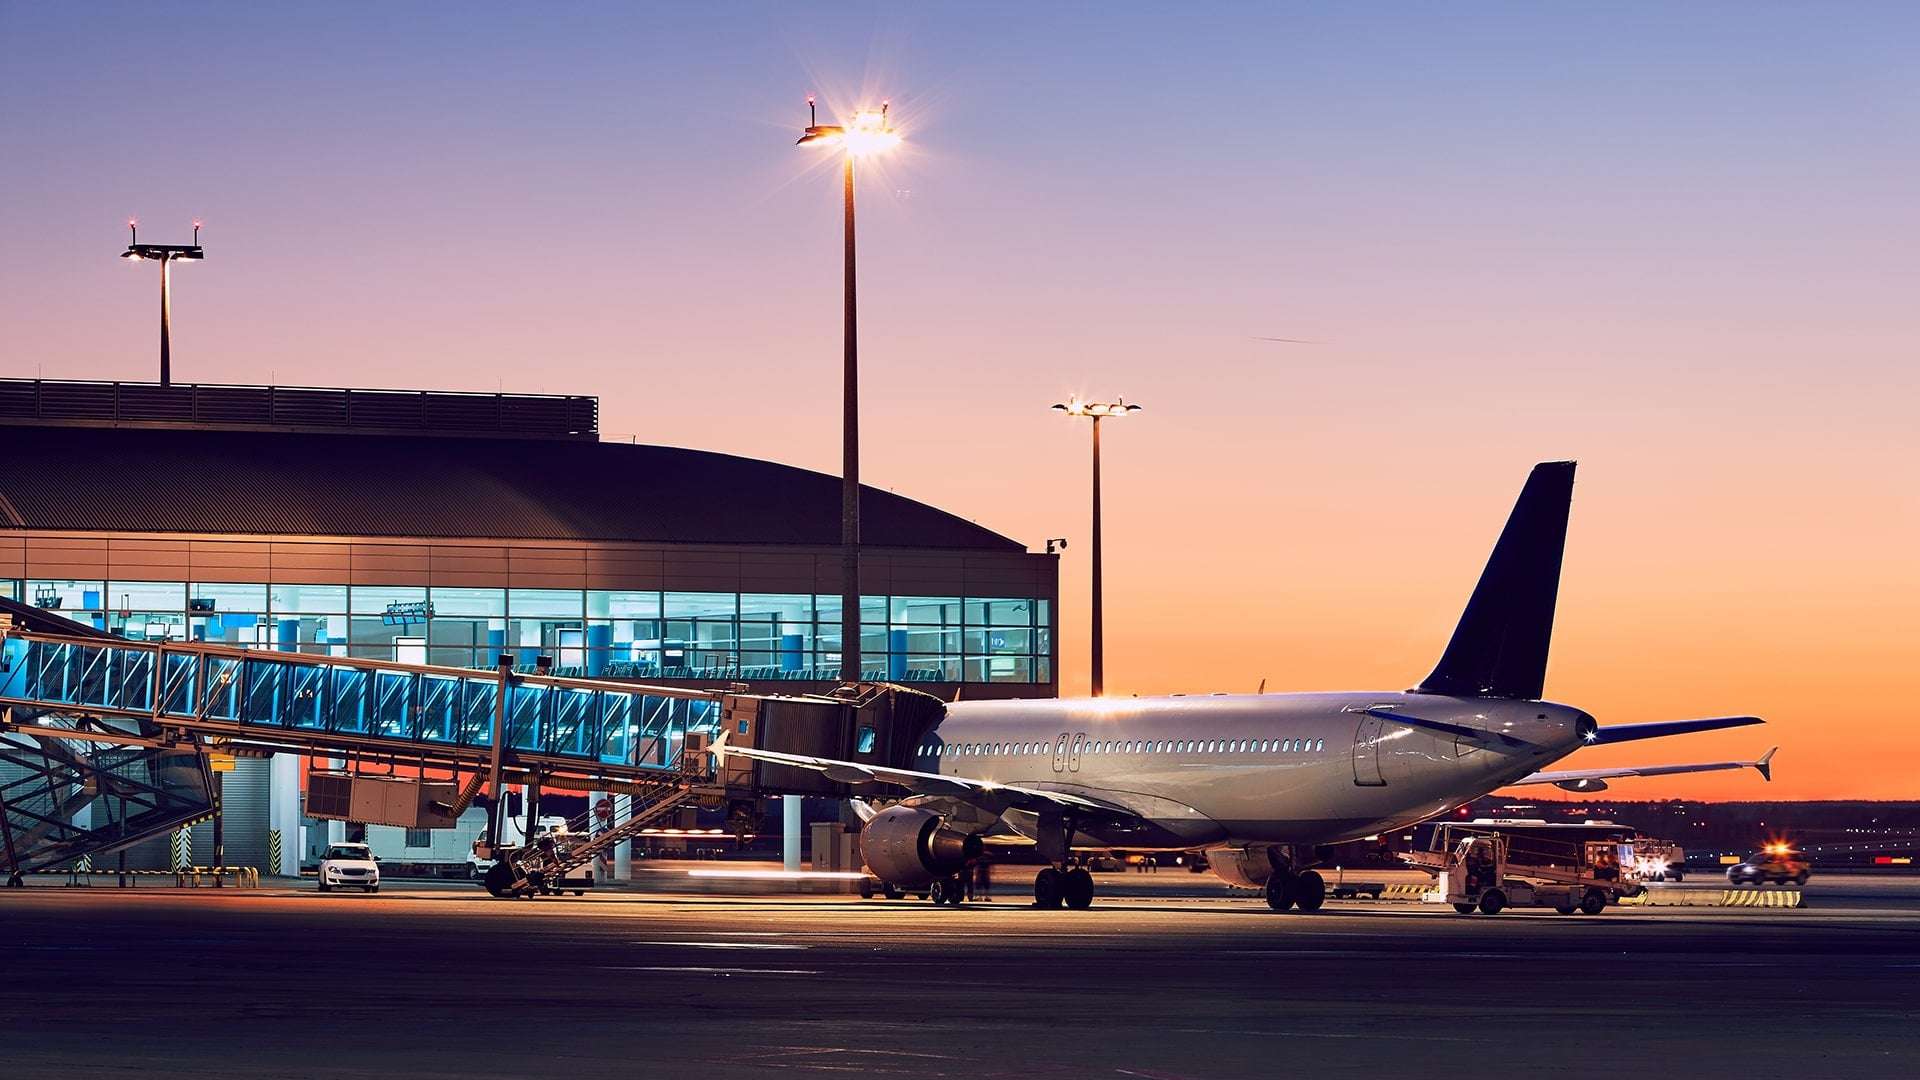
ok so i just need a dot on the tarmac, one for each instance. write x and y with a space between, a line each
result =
1166 977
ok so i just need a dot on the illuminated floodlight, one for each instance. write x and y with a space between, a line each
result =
868 132
1073 406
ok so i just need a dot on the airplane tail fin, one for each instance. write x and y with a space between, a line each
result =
1499 648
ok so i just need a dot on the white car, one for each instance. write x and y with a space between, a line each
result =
349 866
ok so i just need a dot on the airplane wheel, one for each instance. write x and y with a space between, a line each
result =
499 878
1565 909
866 888
1048 888
1465 909
1492 901
1593 903
892 893
1280 891
1077 889
1309 891
942 891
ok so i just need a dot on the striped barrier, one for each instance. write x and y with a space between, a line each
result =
1405 891
273 851
1768 898
182 848
245 877
1740 898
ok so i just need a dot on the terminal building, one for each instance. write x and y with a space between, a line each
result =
450 528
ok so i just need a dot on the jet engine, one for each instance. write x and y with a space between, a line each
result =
909 847
1248 868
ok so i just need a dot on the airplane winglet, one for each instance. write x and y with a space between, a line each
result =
1765 765
718 747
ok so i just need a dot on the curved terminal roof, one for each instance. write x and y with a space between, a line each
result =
107 479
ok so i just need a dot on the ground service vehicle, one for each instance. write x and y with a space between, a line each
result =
555 840
1489 866
1775 863
349 866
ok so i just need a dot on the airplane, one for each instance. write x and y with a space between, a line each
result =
1256 781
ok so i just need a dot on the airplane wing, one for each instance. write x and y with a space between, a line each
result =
982 793
1596 779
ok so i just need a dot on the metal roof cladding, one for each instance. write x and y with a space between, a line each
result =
305 483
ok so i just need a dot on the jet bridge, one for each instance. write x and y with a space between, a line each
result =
123 728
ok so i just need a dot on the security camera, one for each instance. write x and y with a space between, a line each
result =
1058 543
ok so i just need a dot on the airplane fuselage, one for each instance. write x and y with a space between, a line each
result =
1214 770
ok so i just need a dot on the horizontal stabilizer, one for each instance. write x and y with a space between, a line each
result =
1660 729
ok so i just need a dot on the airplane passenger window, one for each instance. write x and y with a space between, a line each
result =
1319 744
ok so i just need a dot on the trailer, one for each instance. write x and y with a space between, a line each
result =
1491 865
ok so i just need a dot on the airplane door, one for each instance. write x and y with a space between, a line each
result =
1060 753
1073 754
1366 752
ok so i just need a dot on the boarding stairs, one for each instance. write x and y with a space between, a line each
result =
542 864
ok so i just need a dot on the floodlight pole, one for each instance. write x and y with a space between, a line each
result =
1097 411
164 254
866 132
166 323
1098 607
850 660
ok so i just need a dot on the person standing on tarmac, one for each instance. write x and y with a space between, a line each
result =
980 886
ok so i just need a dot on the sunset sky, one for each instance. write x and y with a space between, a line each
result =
1675 243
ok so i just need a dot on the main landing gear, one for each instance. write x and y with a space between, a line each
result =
947 891
1072 887
1305 890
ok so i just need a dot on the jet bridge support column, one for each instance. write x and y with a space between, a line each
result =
497 818
790 833
283 812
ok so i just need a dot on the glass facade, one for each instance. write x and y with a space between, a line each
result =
596 632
